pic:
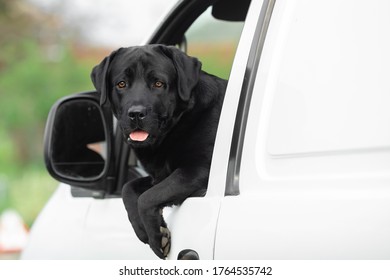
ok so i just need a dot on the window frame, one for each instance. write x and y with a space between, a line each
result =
232 187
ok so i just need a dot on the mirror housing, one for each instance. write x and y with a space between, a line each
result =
78 143
231 10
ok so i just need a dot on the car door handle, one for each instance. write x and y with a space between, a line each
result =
188 254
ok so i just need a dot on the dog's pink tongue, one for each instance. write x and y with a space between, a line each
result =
139 135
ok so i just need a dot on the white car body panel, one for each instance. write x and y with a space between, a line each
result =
315 173
84 228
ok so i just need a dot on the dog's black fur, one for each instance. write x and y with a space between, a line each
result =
162 94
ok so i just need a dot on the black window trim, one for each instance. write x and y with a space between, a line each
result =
233 170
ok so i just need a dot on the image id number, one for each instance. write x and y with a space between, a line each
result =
241 270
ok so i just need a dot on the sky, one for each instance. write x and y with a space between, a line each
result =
109 23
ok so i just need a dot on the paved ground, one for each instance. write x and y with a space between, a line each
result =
13 256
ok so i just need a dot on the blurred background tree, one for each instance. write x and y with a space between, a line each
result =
36 67
38 64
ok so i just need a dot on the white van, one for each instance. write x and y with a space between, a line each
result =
301 165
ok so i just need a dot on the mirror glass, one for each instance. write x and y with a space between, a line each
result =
78 141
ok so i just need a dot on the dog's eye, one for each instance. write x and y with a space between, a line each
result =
158 84
121 84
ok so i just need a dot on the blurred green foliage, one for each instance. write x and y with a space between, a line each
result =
27 193
29 85
31 80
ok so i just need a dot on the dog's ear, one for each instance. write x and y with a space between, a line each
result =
187 70
99 76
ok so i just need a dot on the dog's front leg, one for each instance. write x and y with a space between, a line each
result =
172 190
130 194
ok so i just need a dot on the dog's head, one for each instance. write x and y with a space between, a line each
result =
148 88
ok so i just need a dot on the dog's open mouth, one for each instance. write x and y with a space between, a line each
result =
138 135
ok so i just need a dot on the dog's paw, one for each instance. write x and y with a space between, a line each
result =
161 244
165 241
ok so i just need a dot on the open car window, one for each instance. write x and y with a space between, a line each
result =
214 42
213 38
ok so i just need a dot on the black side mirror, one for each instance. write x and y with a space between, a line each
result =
231 10
78 139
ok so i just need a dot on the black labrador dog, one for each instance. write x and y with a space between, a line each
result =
168 110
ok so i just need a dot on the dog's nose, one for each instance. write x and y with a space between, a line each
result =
137 112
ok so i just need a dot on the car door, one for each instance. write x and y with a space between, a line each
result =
312 171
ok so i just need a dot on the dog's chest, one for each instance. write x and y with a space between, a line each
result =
158 166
